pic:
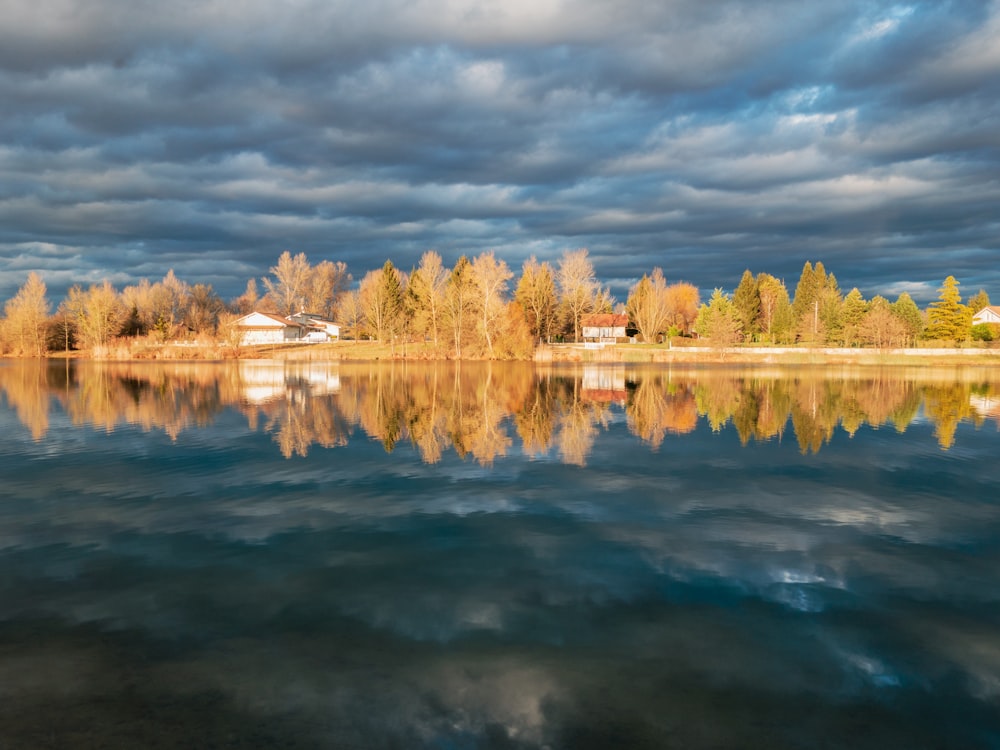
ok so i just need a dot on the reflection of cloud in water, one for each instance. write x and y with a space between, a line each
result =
378 599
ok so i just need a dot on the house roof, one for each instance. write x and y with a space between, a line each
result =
995 309
269 320
315 319
604 320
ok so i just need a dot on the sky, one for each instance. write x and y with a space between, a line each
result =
703 138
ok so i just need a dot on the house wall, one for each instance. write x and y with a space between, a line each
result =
986 316
603 333
253 336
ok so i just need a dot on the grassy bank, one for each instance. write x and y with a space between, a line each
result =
626 353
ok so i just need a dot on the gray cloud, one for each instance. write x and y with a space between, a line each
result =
703 139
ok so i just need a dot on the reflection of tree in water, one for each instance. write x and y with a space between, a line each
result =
27 389
657 406
535 419
717 398
473 408
946 406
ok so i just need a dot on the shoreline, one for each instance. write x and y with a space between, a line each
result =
587 353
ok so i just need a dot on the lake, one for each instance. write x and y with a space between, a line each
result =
376 555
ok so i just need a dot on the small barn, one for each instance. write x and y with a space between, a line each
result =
603 327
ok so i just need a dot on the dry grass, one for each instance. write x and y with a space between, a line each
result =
131 349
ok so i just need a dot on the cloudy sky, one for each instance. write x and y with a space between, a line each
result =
701 137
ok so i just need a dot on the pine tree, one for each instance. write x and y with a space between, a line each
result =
717 321
909 314
830 301
805 306
852 312
978 301
776 316
947 318
746 303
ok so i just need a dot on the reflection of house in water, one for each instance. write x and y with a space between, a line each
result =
604 384
262 381
986 405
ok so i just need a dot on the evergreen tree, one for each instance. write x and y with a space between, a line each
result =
805 306
380 295
947 318
978 301
718 321
909 314
830 302
746 303
852 311
776 316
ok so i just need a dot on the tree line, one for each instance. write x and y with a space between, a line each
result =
760 310
475 309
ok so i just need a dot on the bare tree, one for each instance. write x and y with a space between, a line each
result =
98 313
490 277
351 313
425 296
203 309
290 286
247 302
168 299
577 286
327 283
459 302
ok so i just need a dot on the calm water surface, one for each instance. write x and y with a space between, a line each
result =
398 556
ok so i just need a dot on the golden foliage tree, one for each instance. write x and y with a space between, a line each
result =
648 306
536 294
25 318
98 314
683 301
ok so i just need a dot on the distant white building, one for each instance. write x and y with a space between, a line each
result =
266 328
316 324
989 314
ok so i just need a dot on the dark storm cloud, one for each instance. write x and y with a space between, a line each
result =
703 138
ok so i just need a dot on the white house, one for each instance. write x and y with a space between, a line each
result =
989 314
265 328
317 324
606 327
